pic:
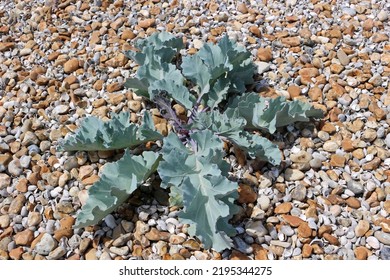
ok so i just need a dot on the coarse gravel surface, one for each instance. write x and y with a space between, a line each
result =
330 198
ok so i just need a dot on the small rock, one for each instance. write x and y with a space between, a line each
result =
60 109
146 23
255 30
246 194
291 41
383 237
264 202
307 250
241 7
17 204
255 229
283 208
4 221
110 221
337 160
57 253
383 15
361 253
299 193
343 58
373 242
71 65
30 138
3 254
353 202
191 244
301 157
15 168
24 238
121 251
45 245
262 66
5 180
307 74
91 254
127 34
293 174
330 146
294 91
264 54
176 239
362 227
237 255
373 164
304 231
356 187
16 254
385 253
33 219
114 87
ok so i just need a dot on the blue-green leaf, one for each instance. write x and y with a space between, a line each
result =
173 85
269 114
117 181
117 133
231 126
196 71
206 193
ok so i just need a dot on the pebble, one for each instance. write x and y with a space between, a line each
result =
45 245
299 193
264 202
361 228
293 174
383 237
373 242
385 253
15 168
347 80
110 221
356 187
255 229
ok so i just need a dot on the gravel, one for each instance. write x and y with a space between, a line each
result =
62 61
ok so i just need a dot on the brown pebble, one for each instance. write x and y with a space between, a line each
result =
331 239
264 54
71 65
304 231
17 204
292 220
246 194
324 229
146 23
361 253
24 238
236 255
353 202
283 208
294 91
307 250
191 244
307 74
114 87
337 160
16 253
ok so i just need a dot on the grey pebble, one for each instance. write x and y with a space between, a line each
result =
385 253
356 187
110 221
383 237
45 245
373 242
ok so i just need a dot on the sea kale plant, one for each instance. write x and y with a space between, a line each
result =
211 85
